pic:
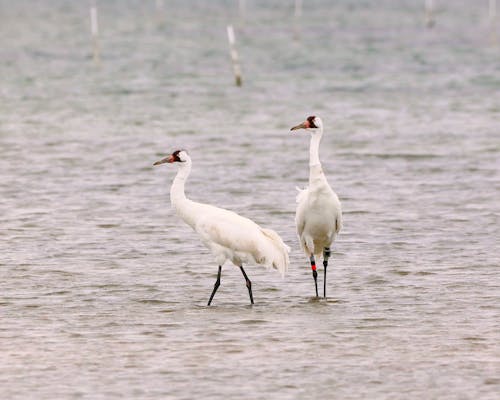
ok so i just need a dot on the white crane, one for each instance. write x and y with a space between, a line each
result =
319 214
228 235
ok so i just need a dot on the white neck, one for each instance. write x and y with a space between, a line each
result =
184 208
314 148
177 196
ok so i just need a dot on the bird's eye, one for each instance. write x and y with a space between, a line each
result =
175 154
311 120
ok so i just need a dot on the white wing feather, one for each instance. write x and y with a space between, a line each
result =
239 239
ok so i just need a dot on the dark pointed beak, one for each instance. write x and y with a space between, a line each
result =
169 159
303 125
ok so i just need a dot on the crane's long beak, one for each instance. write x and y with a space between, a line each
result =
169 159
303 125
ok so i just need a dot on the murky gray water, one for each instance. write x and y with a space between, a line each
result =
103 289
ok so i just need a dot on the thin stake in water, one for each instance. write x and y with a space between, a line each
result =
234 55
429 14
94 29
298 15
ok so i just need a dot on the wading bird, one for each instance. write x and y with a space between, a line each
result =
228 235
319 216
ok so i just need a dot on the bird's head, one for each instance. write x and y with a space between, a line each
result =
177 156
312 124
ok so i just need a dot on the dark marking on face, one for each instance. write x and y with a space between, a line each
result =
311 121
175 154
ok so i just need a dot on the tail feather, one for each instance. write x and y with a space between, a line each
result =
280 259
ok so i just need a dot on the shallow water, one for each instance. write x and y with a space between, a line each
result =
103 289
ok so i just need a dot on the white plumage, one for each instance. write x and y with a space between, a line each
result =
228 235
319 215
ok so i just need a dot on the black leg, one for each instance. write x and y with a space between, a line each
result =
216 285
326 256
315 274
249 284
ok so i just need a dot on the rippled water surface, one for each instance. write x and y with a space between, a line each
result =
103 289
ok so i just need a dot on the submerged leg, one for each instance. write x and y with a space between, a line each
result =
315 274
249 284
326 256
216 285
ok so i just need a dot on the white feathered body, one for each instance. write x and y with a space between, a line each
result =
228 235
319 215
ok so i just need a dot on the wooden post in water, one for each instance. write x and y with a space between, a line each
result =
429 13
94 29
234 55
492 17
297 17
